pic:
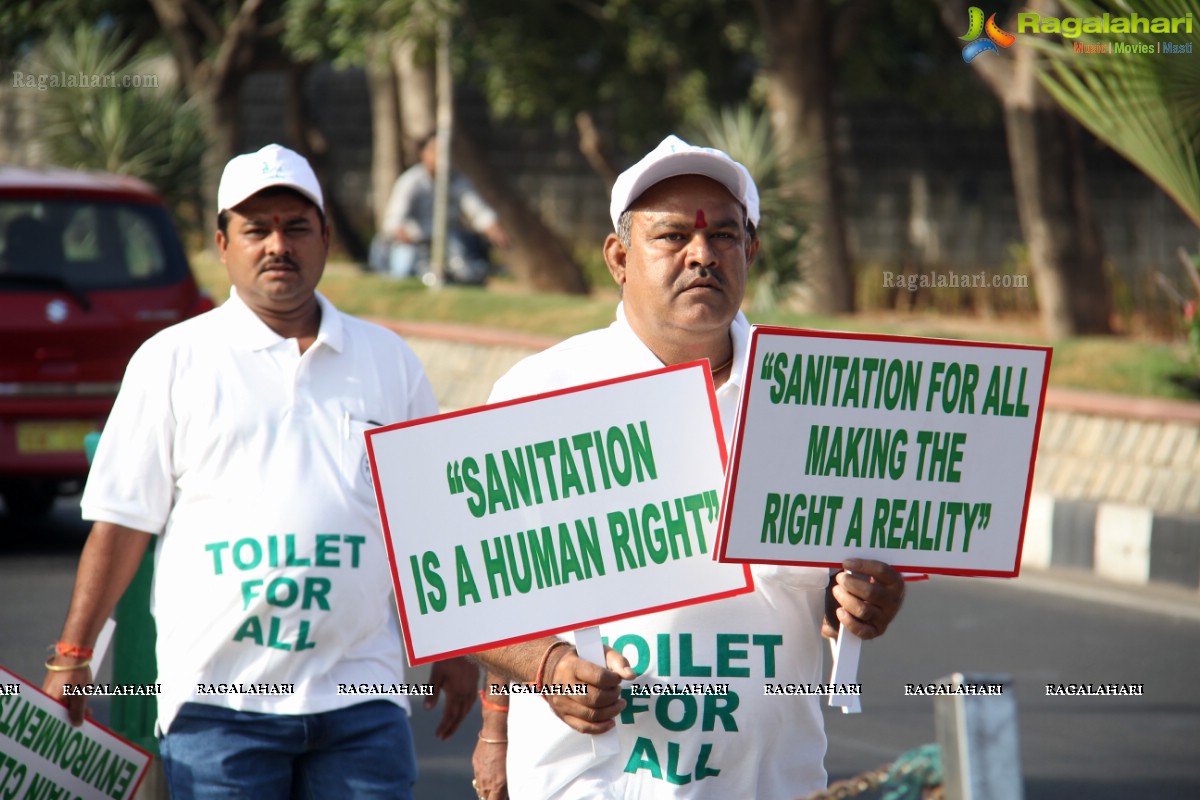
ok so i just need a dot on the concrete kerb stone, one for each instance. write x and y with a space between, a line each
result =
1121 537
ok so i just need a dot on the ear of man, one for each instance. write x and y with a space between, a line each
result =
615 257
752 245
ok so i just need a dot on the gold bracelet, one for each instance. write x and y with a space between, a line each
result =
484 739
56 668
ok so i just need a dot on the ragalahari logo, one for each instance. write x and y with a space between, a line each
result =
995 35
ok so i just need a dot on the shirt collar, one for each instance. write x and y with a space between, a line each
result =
249 330
739 333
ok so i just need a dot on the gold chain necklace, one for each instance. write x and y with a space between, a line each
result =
722 367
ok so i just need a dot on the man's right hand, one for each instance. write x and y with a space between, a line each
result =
595 711
77 707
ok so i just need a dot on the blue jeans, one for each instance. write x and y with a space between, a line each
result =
361 751
466 258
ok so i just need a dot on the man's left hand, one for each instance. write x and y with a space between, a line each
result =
458 679
869 595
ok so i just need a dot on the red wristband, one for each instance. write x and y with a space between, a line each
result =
489 705
72 650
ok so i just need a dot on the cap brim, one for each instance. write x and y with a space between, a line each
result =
721 170
300 190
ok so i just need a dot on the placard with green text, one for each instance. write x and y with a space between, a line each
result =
42 755
554 512
917 452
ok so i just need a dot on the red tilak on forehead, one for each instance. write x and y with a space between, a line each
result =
701 222
276 218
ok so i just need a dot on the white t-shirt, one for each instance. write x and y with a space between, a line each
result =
740 745
248 458
410 205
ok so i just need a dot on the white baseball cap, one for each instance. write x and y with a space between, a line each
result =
273 165
674 156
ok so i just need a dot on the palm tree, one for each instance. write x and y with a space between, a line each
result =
150 132
1144 106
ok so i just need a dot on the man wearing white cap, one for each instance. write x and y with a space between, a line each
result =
685 219
236 446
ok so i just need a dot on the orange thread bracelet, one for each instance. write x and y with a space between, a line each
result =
488 704
72 650
545 660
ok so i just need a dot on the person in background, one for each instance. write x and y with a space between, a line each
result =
403 247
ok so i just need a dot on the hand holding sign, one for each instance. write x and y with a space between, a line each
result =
594 712
869 595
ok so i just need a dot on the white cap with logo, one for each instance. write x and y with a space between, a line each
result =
273 165
673 157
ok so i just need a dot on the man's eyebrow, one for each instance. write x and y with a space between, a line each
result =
266 219
684 223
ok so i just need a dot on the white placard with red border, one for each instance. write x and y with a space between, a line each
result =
42 755
554 512
917 452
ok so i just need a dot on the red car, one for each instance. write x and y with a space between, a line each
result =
90 267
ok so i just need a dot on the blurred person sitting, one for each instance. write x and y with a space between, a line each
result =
402 249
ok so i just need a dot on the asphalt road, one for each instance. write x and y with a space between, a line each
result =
1042 628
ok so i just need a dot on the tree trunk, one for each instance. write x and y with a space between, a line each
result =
799 72
1056 217
223 122
536 254
214 80
387 160
417 97
313 145
1065 254
1050 183
591 145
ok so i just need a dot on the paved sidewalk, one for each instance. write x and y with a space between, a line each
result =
1116 489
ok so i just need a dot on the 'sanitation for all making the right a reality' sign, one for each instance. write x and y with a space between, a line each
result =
553 513
917 452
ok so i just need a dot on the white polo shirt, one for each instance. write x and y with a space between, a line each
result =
740 745
248 458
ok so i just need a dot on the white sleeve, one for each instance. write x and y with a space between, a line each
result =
479 214
421 400
399 207
132 481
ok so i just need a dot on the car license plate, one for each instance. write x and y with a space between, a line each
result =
53 437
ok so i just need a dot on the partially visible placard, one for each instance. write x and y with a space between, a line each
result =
42 755
552 513
916 452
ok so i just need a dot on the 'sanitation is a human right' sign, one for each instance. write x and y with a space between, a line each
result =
553 513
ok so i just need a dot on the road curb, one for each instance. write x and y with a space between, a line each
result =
1124 543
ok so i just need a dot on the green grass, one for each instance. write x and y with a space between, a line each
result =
1118 365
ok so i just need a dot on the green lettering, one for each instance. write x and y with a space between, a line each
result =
726 654
645 757
640 645
327 550
251 629
662 712
466 581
